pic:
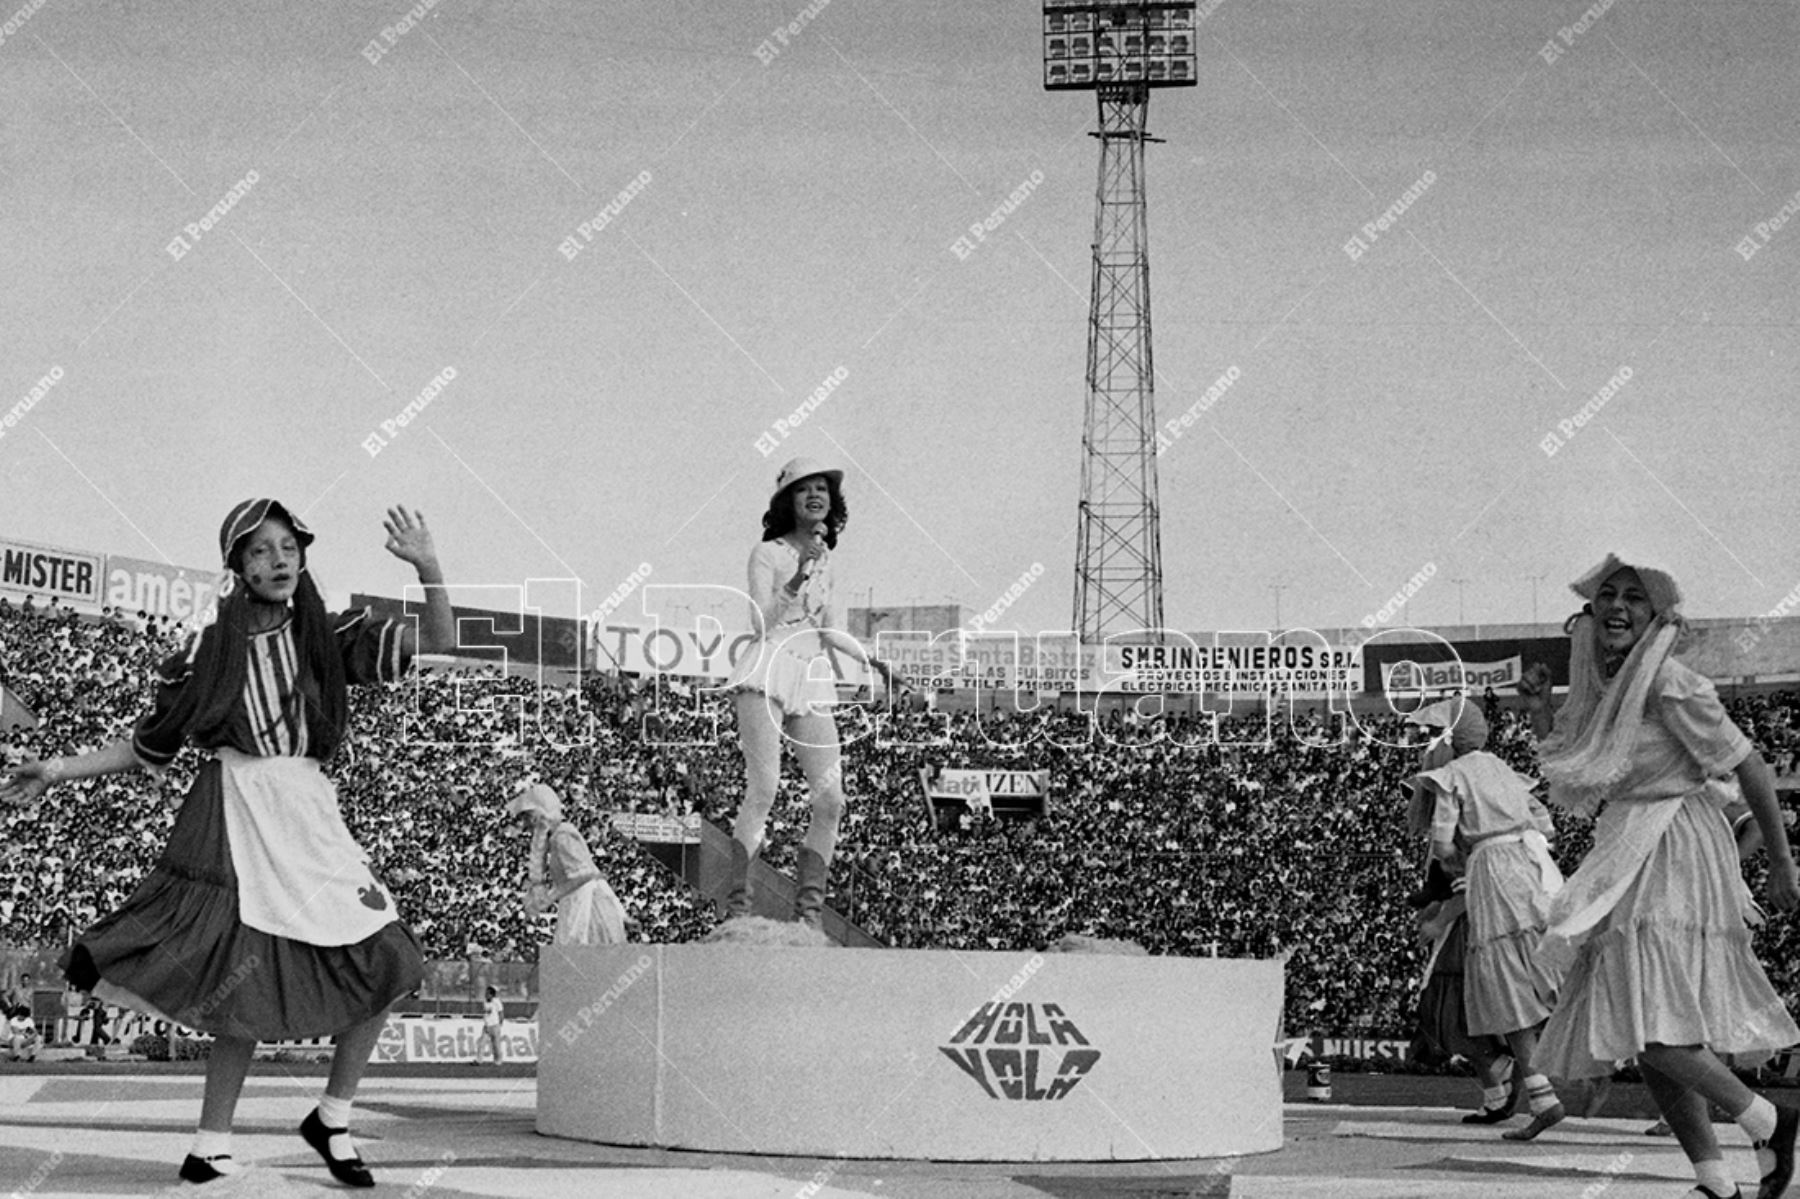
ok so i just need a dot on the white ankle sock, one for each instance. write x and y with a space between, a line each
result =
335 1114
1715 1177
214 1148
1492 1097
1758 1120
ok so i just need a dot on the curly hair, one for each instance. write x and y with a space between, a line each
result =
778 521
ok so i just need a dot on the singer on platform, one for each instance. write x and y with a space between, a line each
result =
785 688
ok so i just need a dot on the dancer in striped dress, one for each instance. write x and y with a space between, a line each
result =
263 919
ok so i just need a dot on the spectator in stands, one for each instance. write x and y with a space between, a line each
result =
267 924
778 694
1655 919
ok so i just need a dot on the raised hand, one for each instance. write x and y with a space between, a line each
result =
408 539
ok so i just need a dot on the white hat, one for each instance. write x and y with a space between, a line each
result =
1660 585
803 468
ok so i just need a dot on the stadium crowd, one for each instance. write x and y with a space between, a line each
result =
1291 844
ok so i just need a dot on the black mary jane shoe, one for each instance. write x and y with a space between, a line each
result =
201 1169
349 1171
1781 1144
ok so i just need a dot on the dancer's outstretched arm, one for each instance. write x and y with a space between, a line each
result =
410 541
30 779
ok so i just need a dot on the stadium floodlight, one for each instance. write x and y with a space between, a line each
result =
1092 43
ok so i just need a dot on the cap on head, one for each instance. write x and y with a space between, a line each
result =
244 519
804 468
1660 585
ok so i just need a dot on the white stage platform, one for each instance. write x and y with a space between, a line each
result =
914 1054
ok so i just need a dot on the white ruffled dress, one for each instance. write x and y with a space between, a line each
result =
1484 804
1654 928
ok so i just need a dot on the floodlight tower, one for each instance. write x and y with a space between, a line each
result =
1119 50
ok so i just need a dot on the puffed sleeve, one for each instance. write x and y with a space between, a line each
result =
1540 817
1446 809
155 739
1690 709
373 650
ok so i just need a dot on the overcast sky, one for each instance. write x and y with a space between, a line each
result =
1590 186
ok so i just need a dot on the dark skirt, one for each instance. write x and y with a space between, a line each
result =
1443 1021
177 944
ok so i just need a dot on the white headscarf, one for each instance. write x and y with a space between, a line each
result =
1589 751
537 797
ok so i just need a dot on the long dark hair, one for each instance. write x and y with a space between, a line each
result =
779 521
215 688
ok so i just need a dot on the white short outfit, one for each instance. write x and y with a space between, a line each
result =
788 663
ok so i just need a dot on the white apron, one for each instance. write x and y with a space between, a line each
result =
300 873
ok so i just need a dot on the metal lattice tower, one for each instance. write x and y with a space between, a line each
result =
1118 547
1120 51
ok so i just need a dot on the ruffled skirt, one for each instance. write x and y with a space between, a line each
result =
1672 963
178 949
590 915
1443 1020
789 670
1505 987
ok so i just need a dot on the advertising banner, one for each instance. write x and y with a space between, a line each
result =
180 593
72 576
1453 676
1251 668
977 788
428 1039
1004 792
668 830
1196 664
